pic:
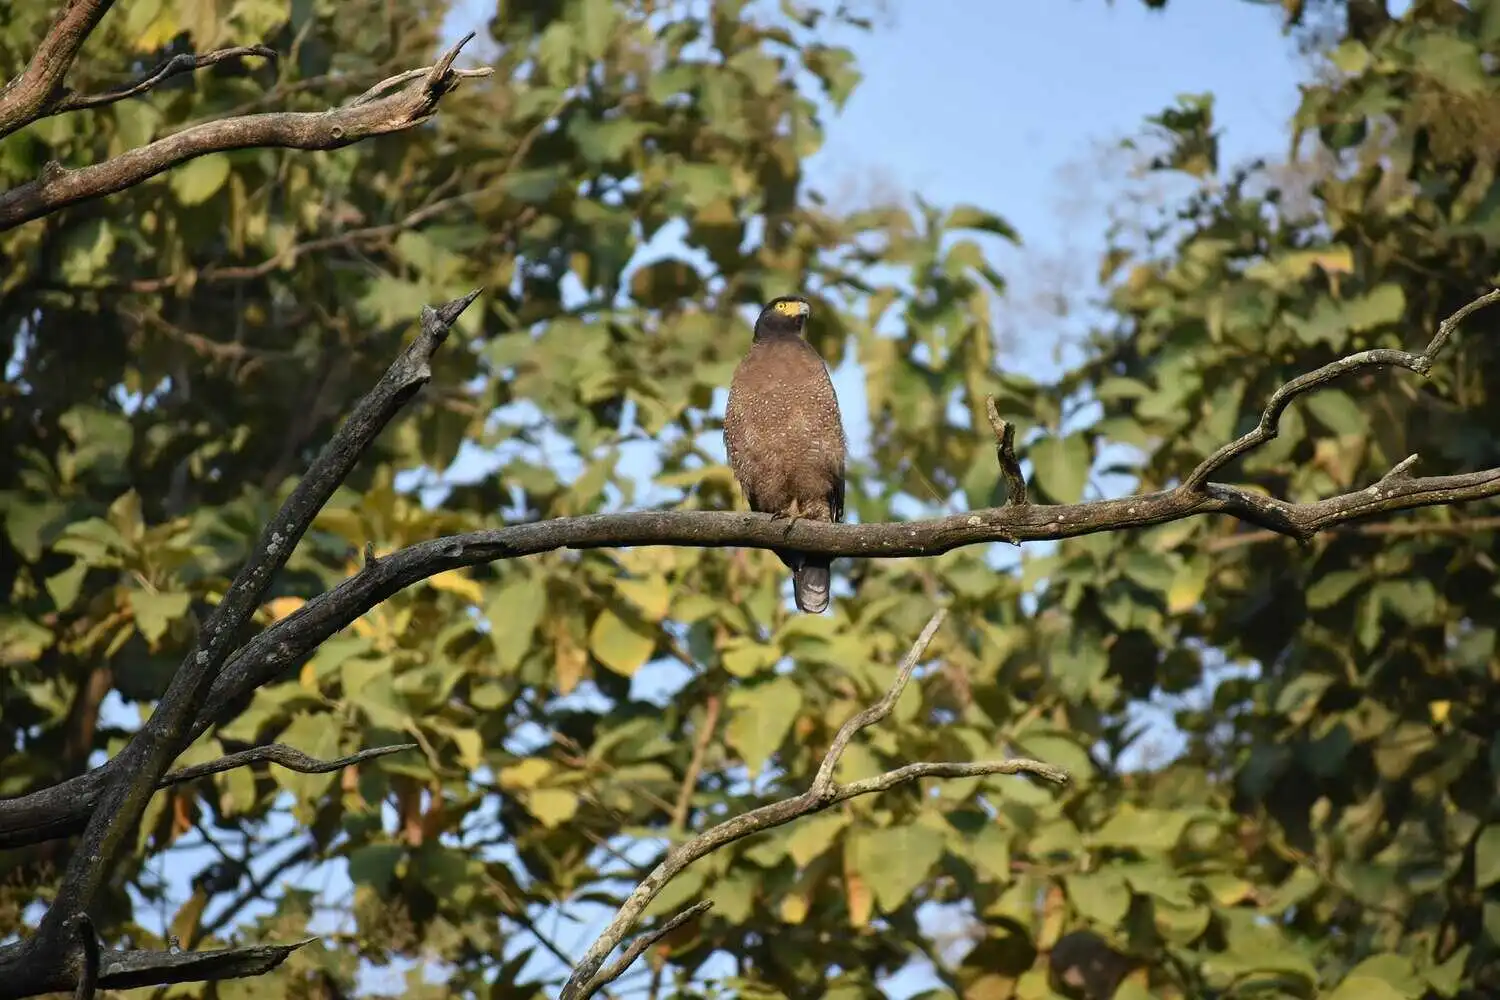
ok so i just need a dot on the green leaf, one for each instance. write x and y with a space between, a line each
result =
514 612
972 217
606 141
1336 411
1142 829
1332 588
1487 857
1101 897
63 587
1061 466
155 612
198 180
622 646
814 835
317 735
375 864
762 716
893 861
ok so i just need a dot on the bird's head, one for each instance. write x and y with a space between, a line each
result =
783 317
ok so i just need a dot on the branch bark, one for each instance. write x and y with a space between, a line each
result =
138 769
364 117
278 753
185 62
588 977
25 98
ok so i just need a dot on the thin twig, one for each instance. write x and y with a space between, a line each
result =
58 187
636 948
278 753
695 765
824 792
1268 427
23 100
1384 529
1005 454
184 62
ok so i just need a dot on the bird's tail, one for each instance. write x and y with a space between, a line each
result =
810 582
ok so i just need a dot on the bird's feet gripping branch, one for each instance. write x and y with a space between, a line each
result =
785 437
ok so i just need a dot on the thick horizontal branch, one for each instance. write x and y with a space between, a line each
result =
183 62
58 811
588 977
128 970
25 99
366 117
277 753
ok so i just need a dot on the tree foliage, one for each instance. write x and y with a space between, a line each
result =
182 349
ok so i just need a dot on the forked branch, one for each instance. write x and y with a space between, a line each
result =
62 809
590 975
1270 419
366 116
138 770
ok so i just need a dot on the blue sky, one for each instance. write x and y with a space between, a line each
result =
1012 105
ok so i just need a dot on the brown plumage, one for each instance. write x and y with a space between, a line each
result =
785 439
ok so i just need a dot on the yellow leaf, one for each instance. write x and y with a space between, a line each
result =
1187 587
470 747
553 806
525 774
279 607
572 661
456 581
1439 710
861 899
162 29
794 907
650 595
620 645
308 676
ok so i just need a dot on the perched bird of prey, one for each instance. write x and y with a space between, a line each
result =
785 439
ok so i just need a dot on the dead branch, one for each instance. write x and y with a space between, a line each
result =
126 970
139 767
185 62
278 753
587 978
1005 454
412 105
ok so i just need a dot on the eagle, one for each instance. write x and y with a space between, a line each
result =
785 438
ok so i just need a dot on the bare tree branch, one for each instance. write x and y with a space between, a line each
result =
638 947
88 940
1005 454
1268 427
587 978
62 809
278 753
127 970
1389 529
185 62
24 99
59 187
139 767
